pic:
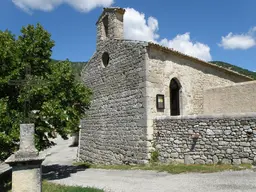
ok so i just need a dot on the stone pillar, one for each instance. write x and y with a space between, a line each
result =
26 163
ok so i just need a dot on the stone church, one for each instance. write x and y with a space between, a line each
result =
148 97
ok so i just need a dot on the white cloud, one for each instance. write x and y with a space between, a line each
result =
49 5
137 27
239 41
184 44
252 30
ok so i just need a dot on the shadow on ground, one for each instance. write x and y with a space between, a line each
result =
53 172
5 181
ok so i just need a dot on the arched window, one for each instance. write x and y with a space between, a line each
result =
105 24
175 97
105 59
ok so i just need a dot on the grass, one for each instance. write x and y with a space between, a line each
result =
51 187
171 168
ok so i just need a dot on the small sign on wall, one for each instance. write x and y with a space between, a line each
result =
159 101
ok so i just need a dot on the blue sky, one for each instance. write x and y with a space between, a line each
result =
210 30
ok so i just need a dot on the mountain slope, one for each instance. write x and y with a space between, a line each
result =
78 67
235 68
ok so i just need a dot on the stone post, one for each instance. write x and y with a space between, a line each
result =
26 163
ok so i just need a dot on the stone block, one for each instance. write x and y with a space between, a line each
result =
174 155
247 149
230 151
236 161
245 144
215 159
199 161
210 132
209 161
223 143
25 178
246 161
226 161
227 132
177 142
188 160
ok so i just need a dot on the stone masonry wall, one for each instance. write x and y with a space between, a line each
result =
241 99
225 139
115 130
194 78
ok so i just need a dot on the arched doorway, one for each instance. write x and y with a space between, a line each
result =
175 97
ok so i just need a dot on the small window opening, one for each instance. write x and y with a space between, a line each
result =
175 97
105 59
105 23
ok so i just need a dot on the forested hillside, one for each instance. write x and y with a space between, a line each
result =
235 68
77 67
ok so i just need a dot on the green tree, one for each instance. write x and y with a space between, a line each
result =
57 99
9 118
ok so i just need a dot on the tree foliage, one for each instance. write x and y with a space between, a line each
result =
57 99
77 68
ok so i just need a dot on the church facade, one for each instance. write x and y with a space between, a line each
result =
134 83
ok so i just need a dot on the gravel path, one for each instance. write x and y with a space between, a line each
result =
144 181
61 153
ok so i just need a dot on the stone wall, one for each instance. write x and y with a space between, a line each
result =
221 138
194 78
115 130
237 98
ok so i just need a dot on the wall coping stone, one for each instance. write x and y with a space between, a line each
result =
215 116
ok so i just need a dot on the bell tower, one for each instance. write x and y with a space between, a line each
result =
110 24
